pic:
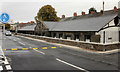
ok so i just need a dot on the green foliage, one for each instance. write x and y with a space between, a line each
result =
47 13
7 26
92 9
118 10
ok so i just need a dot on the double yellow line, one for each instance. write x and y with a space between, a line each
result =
28 48
14 49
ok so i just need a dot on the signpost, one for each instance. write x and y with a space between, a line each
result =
4 18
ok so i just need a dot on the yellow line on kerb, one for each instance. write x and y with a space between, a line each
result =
24 48
53 47
14 49
44 48
34 48
4 49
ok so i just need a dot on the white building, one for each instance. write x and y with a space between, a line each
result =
110 33
100 27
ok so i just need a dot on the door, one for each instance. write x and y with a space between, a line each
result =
119 36
104 37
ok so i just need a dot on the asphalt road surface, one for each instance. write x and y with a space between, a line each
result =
26 54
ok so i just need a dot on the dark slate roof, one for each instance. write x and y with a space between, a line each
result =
28 28
84 24
50 24
109 12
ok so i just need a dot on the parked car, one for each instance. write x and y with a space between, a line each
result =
8 33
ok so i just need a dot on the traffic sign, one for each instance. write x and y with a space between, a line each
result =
4 17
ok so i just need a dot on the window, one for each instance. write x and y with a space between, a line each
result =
116 21
87 38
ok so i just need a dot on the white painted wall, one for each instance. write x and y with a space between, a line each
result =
111 32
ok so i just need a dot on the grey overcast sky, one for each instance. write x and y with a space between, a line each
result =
25 10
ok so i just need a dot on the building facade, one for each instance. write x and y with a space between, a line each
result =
96 27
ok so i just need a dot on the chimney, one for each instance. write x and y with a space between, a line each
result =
75 14
115 9
92 12
101 12
63 16
83 13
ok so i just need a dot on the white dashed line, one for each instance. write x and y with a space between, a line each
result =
14 39
39 51
6 62
1 68
8 67
21 43
71 65
18 38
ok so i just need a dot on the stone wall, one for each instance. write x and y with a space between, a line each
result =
90 45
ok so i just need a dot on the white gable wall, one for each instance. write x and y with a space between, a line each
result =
111 34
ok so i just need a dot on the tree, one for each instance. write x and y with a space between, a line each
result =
47 13
7 26
92 9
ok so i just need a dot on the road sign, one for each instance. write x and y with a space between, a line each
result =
4 17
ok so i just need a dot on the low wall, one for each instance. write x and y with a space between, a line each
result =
90 45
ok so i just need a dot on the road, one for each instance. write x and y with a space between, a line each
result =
27 54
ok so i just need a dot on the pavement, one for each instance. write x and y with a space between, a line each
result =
0 42
31 54
4 64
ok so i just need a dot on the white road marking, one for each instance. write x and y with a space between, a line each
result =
6 62
1 68
30 47
14 39
21 43
71 65
39 51
8 67
18 38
